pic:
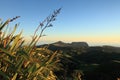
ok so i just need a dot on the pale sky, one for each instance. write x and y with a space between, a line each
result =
94 21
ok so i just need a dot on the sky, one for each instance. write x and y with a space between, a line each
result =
96 22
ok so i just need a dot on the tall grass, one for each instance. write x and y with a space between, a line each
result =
26 62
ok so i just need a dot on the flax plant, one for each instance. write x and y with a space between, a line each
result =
26 62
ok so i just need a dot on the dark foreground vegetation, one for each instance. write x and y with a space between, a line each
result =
87 63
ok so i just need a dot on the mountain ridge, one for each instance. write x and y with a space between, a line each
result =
60 45
72 44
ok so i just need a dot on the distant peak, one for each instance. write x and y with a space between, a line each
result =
59 42
79 44
73 44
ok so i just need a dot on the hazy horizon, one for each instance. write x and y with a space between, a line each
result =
96 22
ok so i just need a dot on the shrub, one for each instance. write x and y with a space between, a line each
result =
26 62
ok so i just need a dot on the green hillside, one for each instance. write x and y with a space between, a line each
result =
91 63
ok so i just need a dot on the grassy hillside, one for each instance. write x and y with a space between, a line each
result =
91 63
